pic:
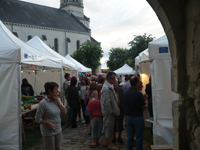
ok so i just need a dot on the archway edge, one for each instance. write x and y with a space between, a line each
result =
171 15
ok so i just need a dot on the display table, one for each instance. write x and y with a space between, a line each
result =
23 113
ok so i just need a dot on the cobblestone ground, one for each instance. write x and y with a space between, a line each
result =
79 139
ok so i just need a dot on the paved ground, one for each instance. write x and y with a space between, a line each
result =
78 139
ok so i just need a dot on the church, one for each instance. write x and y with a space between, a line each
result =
63 29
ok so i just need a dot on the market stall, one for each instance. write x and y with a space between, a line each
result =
162 96
144 68
43 76
15 54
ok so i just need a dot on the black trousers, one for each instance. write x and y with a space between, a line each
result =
75 111
150 107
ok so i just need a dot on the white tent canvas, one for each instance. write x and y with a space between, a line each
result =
80 67
38 44
144 55
144 67
137 63
162 96
126 69
13 53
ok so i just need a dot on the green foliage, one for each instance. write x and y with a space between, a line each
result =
52 47
117 58
89 55
138 44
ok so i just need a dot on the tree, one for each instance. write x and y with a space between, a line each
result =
89 55
138 44
117 58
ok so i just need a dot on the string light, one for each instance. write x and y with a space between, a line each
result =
29 73
51 71
32 66
43 70
22 71
33 70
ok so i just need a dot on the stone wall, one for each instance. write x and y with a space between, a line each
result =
181 22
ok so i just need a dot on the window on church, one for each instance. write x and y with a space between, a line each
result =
44 38
77 45
77 1
56 44
29 37
15 33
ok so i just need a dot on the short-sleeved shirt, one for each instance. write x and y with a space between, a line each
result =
94 106
133 102
82 91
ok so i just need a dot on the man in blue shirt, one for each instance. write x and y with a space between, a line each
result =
134 106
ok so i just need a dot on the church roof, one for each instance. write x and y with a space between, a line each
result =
32 14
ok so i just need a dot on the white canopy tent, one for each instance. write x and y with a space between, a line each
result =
80 67
42 77
144 55
13 54
126 69
38 44
161 91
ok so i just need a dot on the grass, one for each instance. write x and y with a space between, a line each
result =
32 138
148 137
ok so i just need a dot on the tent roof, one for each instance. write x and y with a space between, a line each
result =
126 69
80 67
159 49
15 11
38 44
9 51
144 55
29 55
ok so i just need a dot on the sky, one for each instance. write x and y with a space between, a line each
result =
115 22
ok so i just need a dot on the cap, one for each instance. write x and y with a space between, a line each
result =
81 74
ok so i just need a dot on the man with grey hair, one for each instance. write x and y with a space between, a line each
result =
109 108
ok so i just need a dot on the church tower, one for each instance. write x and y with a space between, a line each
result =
75 7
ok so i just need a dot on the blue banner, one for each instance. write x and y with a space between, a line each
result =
163 49
25 55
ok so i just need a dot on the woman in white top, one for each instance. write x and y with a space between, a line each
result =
83 89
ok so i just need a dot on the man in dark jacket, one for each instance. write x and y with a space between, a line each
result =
134 106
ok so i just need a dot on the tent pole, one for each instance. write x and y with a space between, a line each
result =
61 87
20 111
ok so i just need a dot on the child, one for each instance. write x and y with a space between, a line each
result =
94 109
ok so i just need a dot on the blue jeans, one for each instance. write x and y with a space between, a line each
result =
97 124
135 126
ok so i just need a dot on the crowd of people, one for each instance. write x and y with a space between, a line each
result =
104 105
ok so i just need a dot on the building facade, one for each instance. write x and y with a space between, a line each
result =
63 29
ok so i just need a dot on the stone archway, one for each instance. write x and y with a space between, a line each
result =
181 22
